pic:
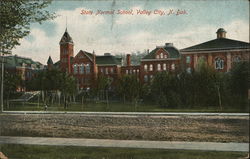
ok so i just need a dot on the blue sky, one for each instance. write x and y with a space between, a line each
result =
130 33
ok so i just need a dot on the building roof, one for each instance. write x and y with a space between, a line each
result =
108 60
218 44
66 38
221 30
17 61
173 51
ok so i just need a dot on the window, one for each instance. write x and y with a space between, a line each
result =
145 67
126 71
173 66
112 70
106 70
165 56
87 68
161 55
236 59
188 59
134 71
137 70
101 70
219 63
159 67
151 77
75 67
145 78
164 67
81 69
150 67
157 56
188 70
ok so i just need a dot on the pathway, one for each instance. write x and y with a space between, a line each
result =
207 146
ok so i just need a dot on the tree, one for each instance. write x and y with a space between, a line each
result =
129 87
16 17
239 83
12 82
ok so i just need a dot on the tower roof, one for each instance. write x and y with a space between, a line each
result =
49 61
221 30
66 38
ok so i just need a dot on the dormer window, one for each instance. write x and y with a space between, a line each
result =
165 56
161 55
157 56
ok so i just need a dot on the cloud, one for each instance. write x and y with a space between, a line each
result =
93 33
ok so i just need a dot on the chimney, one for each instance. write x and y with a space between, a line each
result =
221 33
128 60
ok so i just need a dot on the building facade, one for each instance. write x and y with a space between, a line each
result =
220 54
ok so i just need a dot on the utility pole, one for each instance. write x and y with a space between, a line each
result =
2 73
2 76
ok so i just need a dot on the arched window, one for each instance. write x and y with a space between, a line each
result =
173 66
81 70
165 56
157 56
158 67
75 67
145 78
219 63
87 68
145 67
164 67
151 67
161 55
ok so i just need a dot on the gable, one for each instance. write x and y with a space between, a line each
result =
82 56
161 54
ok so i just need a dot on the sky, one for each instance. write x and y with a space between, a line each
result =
126 33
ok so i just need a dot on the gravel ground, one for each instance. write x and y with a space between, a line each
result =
166 128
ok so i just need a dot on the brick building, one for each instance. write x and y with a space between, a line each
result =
162 58
25 67
221 53
85 66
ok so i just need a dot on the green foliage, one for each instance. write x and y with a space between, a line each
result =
129 88
52 80
16 17
12 82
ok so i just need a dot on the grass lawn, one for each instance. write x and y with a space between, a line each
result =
113 107
61 152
